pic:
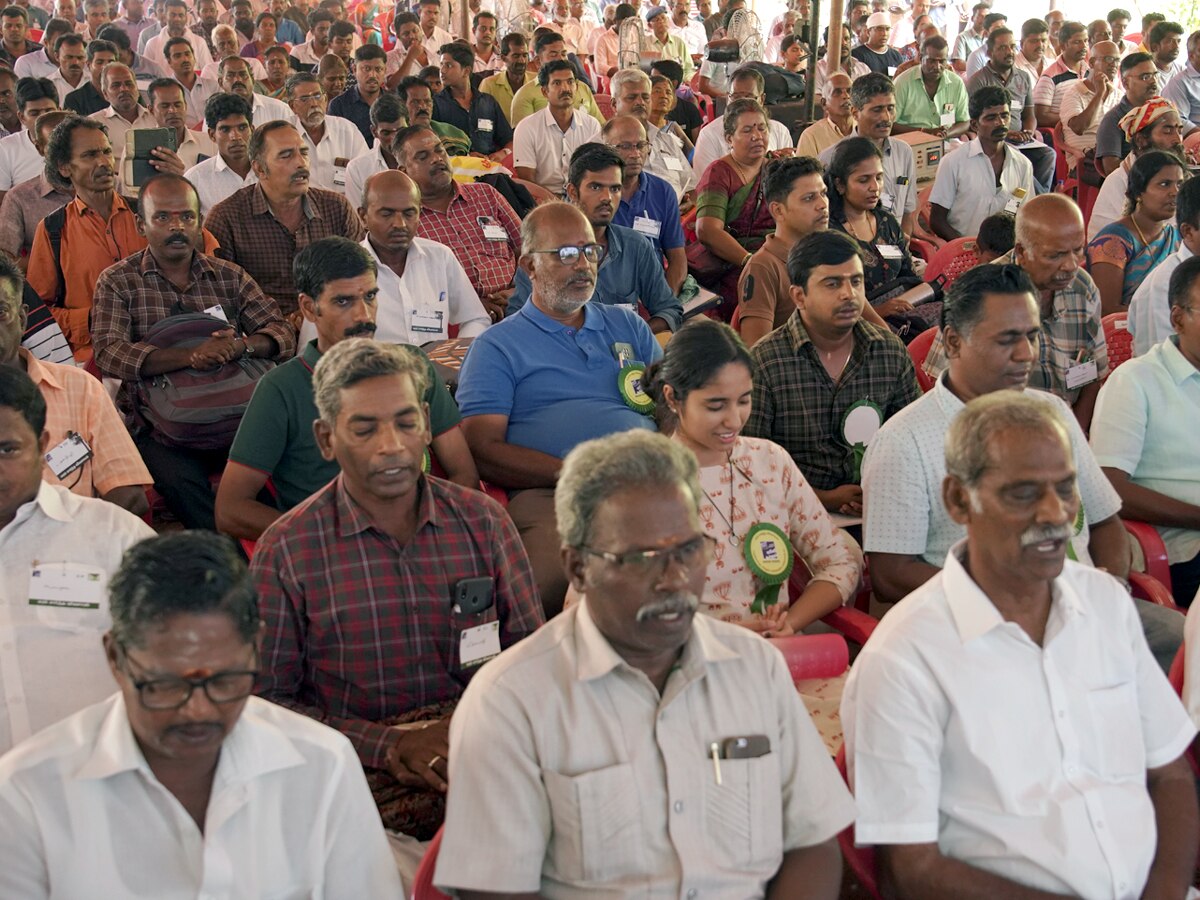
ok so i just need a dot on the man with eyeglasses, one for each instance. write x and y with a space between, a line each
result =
332 141
1086 102
228 794
711 145
1140 77
667 154
675 778
386 590
549 377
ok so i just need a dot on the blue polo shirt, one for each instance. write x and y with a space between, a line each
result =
654 200
630 272
557 385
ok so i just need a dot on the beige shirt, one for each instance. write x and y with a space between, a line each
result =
1075 100
571 775
819 136
118 126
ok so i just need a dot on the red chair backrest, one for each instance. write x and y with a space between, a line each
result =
918 349
861 860
605 103
814 655
952 260
1118 338
423 888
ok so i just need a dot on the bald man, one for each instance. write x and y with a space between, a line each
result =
1086 101
838 121
423 289
1072 353
546 379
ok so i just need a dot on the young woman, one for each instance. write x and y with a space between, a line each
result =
1125 252
702 387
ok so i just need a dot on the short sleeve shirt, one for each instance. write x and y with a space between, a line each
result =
899 175
763 288
966 185
539 144
485 122
1020 91
653 211
276 437
914 106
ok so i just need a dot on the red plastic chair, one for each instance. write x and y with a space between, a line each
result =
952 260
1064 183
423 888
921 228
852 622
1118 337
813 655
605 103
921 248
1148 588
1153 549
861 860
918 349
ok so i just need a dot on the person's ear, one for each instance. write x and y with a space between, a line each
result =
953 342
798 296
324 435
572 193
112 653
308 307
575 565
957 499
44 441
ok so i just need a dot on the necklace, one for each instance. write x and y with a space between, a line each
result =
852 228
731 536
1138 228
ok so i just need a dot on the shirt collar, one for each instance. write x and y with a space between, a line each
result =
775 246
1176 364
253 748
259 205
591 318
416 255
353 519
310 355
39 373
81 209
201 265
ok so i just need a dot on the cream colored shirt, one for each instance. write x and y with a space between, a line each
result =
571 776
819 136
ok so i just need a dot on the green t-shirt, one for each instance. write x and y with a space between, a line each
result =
276 434
915 108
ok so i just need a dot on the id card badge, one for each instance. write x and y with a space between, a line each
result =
673 163
492 230
889 251
623 353
427 320
1080 374
485 125
479 644
947 117
68 456
339 171
891 70
652 228
66 584
1015 203
217 311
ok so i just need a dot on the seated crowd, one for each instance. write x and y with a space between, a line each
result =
433 423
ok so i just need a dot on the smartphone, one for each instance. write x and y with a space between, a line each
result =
474 595
748 747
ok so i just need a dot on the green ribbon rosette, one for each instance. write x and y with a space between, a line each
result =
770 557
631 383
1078 528
426 461
859 426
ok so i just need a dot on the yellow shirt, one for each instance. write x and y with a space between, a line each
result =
498 87
530 99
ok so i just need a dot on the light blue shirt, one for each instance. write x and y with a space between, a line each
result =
1149 316
1145 425
1183 90
557 385
631 271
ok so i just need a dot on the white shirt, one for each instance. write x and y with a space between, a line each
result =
976 61
215 181
56 527
1075 100
257 70
305 55
35 65
118 126
965 185
289 815
539 144
360 169
711 144
268 109
574 778
19 160
63 86
495 64
1149 317
857 70
434 43
154 50
905 465
395 57
327 160
668 161
433 293
695 38
1028 762
197 97
1110 199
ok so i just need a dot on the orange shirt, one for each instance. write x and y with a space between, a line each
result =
89 246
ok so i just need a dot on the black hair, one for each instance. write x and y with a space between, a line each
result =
624 11
342 29
669 68
407 82
116 36
20 394
460 53
30 89
1134 59
1161 30
12 275
749 72
962 307
266 14
1187 204
782 174
386 108
175 42
430 72
692 359
1143 170
545 40
821 248
223 105
258 138
1179 290
935 42
317 16
163 178
145 592
997 233
99 46
12 10
329 259
557 65
58 148
866 87
987 97
483 14
847 155
276 49
592 157
71 38
513 39
367 52
992 18
1030 27
993 36
164 84
1118 14
1069 30
1148 21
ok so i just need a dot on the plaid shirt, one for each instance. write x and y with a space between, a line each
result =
489 264
1071 332
798 406
361 628
134 295
251 236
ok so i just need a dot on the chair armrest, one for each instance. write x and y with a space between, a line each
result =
852 624
1148 588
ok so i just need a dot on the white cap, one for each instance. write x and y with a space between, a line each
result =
879 20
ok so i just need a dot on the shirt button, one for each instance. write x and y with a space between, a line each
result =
691 893
1061 714
1099 824
678 806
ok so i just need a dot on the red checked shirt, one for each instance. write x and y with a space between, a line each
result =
360 627
490 262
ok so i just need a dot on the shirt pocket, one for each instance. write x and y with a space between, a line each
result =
74 619
597 824
1112 748
743 815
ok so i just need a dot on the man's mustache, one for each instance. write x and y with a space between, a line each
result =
362 329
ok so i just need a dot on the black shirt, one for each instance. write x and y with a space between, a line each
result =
484 108
878 62
85 100
687 116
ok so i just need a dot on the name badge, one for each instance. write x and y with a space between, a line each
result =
889 251
217 311
647 226
891 71
1014 202
68 456
1080 374
66 584
494 233
484 125
427 320
339 177
887 201
947 119
479 644
673 163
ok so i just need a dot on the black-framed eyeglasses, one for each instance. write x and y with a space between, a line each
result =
172 692
652 563
627 146
569 255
